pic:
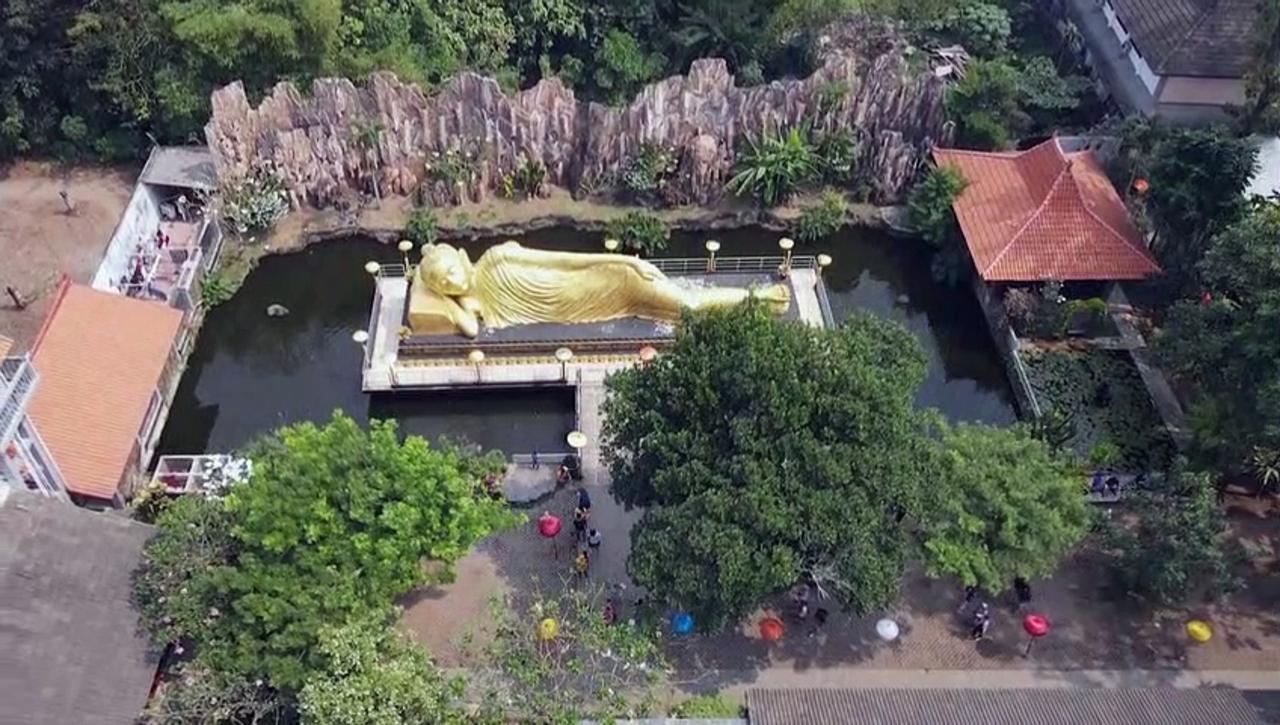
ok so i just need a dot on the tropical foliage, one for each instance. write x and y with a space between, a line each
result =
641 232
422 227
822 219
1006 506
334 523
767 452
774 166
929 205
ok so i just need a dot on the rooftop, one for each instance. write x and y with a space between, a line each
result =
1044 214
1095 706
185 167
70 649
1208 38
100 357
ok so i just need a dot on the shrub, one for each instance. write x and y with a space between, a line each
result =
529 177
929 205
837 155
1104 454
1021 306
423 227
640 231
216 287
708 707
1050 321
648 171
822 219
255 201
773 167
1089 315
985 105
981 27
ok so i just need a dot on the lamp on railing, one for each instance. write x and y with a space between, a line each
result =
824 261
360 337
786 244
712 247
564 355
476 357
405 246
611 245
372 267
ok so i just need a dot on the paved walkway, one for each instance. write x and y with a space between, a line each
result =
1010 679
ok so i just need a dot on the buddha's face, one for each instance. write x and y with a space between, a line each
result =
446 270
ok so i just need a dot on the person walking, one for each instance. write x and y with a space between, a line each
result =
981 622
1022 592
970 591
580 516
581 564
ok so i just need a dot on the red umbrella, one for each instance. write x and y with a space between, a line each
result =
549 526
1036 625
771 629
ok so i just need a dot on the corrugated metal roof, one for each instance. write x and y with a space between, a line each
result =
70 649
1205 706
1200 38
184 167
100 357
1042 214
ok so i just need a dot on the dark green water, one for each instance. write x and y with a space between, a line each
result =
250 373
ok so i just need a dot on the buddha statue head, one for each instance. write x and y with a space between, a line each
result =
446 270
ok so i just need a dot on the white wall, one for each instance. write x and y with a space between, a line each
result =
139 223
1145 74
1203 91
1113 21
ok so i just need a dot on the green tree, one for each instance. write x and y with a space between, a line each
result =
981 27
929 206
622 66
197 696
334 522
767 451
774 166
1005 506
1227 352
1262 79
373 676
1174 545
1197 179
640 231
588 669
986 105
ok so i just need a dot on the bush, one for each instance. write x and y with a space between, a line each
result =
929 205
641 232
648 171
773 167
708 707
1089 315
216 287
838 156
1104 454
1021 306
254 202
822 219
986 105
529 177
423 227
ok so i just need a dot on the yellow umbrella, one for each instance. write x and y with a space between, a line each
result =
548 629
1199 631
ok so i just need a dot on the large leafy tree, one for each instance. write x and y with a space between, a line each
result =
1197 179
1174 545
768 451
373 676
335 521
1225 348
1005 506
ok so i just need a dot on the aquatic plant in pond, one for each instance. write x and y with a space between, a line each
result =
1104 395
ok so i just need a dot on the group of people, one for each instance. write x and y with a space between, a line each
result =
588 540
800 596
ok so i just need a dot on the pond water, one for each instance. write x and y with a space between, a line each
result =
250 373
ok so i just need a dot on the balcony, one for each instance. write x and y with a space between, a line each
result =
17 382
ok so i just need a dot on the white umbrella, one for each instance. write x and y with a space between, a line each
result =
887 629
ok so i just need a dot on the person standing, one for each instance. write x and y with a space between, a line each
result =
594 539
1022 592
970 591
581 564
981 622
580 516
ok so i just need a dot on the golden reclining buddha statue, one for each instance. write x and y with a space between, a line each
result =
513 285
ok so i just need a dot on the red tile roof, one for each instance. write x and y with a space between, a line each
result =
100 357
1045 214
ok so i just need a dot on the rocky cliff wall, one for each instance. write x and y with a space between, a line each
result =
893 102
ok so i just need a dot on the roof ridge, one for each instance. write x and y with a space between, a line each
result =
1177 46
1065 170
63 285
1144 253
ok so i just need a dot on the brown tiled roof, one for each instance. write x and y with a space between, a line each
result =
6 345
1094 706
1043 214
1206 38
71 650
100 357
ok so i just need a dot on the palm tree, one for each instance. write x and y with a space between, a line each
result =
367 136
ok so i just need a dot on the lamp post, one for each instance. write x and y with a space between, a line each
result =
372 267
564 355
577 440
824 261
712 247
405 246
360 337
786 244
611 245
476 357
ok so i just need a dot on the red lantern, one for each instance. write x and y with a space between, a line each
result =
647 354
1037 626
1141 186
548 527
771 629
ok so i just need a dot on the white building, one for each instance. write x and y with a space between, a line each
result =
25 463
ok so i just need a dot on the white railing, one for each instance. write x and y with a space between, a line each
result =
539 458
17 382
684 265
46 472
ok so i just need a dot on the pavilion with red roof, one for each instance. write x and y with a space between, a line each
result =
1042 214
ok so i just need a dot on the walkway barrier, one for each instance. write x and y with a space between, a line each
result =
1007 343
539 458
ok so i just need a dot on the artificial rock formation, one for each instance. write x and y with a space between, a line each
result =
893 102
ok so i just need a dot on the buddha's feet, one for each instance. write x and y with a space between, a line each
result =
777 296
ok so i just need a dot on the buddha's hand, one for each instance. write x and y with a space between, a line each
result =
647 271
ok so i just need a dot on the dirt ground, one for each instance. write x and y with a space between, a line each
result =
39 240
